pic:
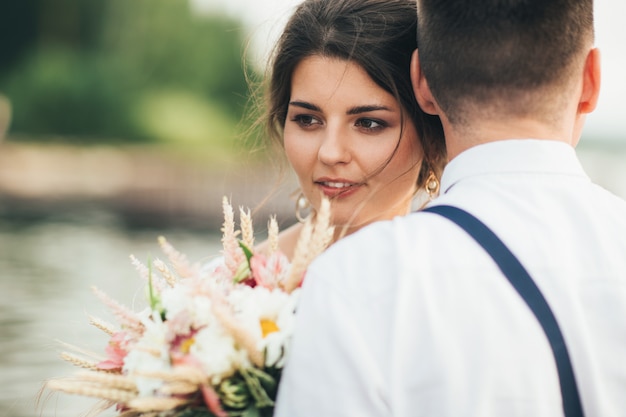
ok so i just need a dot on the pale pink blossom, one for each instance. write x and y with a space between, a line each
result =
269 271
116 352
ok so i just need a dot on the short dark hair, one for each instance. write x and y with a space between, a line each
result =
495 52
379 36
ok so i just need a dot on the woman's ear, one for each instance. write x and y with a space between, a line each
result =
591 82
420 87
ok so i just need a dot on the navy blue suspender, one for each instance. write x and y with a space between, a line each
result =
528 290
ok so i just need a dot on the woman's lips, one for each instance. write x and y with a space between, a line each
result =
337 188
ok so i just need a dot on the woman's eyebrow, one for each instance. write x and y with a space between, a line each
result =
305 105
352 111
365 109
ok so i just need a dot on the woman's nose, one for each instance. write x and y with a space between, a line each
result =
335 147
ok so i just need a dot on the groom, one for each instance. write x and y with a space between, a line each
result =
413 317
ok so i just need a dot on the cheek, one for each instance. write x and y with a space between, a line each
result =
411 148
298 154
407 160
414 153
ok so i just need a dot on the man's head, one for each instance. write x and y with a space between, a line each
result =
519 58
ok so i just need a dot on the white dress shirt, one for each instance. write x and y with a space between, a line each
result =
411 317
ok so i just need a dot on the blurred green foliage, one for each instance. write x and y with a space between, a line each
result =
122 71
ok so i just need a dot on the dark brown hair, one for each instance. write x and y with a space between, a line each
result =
499 52
379 36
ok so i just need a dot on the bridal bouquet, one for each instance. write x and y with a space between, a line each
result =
212 340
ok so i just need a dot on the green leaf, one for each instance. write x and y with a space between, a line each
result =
251 411
243 273
267 381
253 378
194 412
247 251
245 269
155 300
234 393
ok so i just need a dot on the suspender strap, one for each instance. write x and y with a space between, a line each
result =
528 290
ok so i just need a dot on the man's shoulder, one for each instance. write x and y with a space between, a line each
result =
372 263
388 240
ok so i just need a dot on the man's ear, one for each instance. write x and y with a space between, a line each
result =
420 87
591 82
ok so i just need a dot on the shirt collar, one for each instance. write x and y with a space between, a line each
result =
513 156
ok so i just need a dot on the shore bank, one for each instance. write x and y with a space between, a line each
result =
146 186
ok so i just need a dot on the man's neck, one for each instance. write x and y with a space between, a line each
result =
461 139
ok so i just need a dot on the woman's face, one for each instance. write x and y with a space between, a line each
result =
341 134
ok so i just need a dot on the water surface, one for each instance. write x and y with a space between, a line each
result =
46 270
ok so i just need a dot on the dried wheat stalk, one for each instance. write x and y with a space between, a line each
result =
78 361
247 231
86 390
165 271
181 265
144 404
106 327
126 317
272 235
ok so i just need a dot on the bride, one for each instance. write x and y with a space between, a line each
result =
339 101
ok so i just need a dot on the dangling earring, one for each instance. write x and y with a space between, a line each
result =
432 185
302 204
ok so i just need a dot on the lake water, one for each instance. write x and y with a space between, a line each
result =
46 271
48 265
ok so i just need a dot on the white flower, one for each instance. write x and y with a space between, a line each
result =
276 344
202 313
258 302
174 300
269 316
216 351
150 354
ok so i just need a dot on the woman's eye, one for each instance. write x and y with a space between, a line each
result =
370 124
305 120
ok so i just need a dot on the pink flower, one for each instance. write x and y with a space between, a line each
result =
115 352
212 401
179 326
179 359
269 272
